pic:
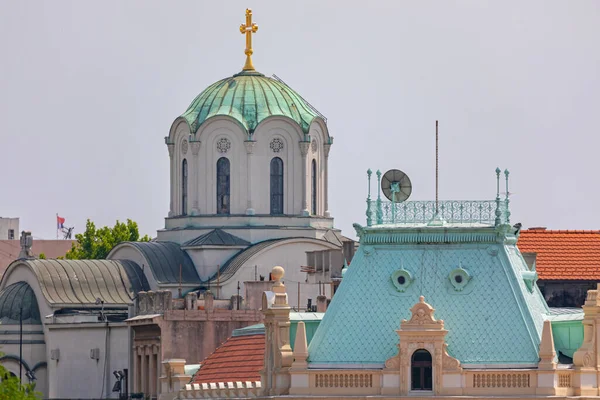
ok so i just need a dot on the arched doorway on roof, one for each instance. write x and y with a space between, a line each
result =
421 370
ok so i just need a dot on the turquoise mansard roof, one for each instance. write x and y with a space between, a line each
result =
496 318
249 98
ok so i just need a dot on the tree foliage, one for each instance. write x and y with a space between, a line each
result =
11 389
97 243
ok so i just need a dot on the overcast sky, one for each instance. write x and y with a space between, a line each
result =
88 91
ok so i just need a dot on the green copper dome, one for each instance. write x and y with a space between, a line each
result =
249 98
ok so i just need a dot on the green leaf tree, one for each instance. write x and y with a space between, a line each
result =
11 389
95 244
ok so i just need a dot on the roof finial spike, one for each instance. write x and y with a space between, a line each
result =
248 29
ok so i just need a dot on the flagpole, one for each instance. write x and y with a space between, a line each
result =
56 226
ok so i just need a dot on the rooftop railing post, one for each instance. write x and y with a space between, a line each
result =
379 210
506 200
369 218
498 212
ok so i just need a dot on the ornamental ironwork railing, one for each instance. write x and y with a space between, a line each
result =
486 212
451 211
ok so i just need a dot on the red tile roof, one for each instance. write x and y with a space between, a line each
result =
563 255
240 358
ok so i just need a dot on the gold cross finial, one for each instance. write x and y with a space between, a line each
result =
248 29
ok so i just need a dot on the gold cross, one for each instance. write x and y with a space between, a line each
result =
248 29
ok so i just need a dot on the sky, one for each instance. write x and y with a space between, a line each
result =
89 90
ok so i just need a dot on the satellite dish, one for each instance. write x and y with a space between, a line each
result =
396 185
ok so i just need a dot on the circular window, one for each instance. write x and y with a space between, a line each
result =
459 278
401 279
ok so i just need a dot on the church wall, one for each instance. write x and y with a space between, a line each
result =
316 152
270 130
291 256
251 228
76 374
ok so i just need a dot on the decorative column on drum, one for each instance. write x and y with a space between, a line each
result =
304 146
249 151
195 144
171 147
326 148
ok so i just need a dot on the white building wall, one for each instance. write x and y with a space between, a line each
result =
76 374
9 225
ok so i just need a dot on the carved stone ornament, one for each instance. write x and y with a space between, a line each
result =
276 145
313 145
422 314
223 145
450 363
184 146
393 362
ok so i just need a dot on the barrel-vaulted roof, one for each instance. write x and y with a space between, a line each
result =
165 259
249 98
68 283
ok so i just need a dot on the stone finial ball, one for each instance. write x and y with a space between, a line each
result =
277 273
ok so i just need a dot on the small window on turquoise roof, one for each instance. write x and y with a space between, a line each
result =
401 279
459 278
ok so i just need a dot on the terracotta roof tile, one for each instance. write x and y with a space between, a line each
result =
563 254
240 358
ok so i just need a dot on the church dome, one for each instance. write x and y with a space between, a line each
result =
250 97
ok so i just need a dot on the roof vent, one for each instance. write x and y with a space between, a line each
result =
538 228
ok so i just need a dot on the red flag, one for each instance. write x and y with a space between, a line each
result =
59 222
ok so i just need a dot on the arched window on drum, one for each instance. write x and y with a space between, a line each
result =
276 186
223 186
184 186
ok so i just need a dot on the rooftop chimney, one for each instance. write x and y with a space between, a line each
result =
26 243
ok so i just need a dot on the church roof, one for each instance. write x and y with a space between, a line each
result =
80 282
165 259
216 237
563 254
12 299
249 98
493 316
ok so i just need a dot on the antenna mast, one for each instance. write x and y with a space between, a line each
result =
436 168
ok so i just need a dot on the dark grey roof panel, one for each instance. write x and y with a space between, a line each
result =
216 237
12 298
164 259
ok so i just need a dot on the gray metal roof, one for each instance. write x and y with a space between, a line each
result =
15 296
81 282
234 263
165 258
216 237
